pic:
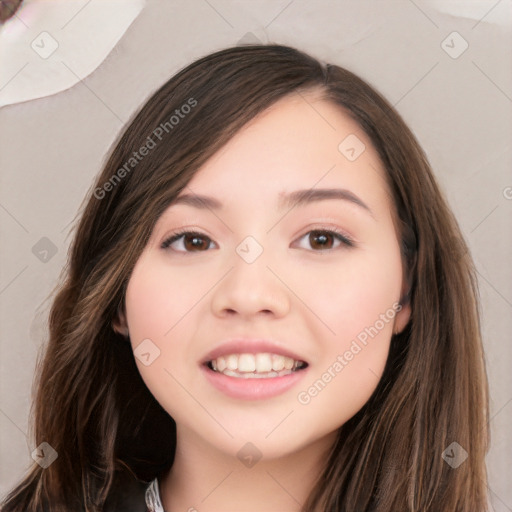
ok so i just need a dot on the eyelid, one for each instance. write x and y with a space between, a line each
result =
346 239
179 233
341 235
330 225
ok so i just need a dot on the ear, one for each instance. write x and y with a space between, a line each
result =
119 323
402 318
403 315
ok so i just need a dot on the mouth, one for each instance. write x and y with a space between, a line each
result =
262 365
254 376
253 369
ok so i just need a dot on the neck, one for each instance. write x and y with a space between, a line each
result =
204 479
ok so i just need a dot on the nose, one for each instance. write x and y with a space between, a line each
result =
250 289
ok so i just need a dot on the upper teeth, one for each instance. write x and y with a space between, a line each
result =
264 362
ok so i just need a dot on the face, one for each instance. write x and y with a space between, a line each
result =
293 301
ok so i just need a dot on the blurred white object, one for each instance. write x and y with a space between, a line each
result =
477 10
49 46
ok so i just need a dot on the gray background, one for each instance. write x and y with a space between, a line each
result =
459 108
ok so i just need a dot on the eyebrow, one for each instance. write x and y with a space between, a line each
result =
286 200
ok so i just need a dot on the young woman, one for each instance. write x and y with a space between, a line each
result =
268 307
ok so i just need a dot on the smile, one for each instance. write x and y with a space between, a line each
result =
255 366
254 376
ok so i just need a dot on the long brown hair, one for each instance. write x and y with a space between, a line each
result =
94 409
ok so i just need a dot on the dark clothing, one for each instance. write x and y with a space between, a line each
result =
127 495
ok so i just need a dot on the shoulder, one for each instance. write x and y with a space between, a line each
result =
127 494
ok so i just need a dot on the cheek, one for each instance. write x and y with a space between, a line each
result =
353 294
358 304
158 299
158 307
164 305
154 307
146 305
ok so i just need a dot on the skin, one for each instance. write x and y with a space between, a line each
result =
315 301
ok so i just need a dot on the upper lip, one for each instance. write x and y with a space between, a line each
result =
250 346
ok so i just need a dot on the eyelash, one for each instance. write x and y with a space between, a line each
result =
343 238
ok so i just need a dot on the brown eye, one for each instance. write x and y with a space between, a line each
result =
321 240
195 242
190 241
325 239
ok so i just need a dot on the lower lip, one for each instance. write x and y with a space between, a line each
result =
252 389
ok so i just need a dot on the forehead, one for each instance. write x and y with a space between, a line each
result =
301 141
